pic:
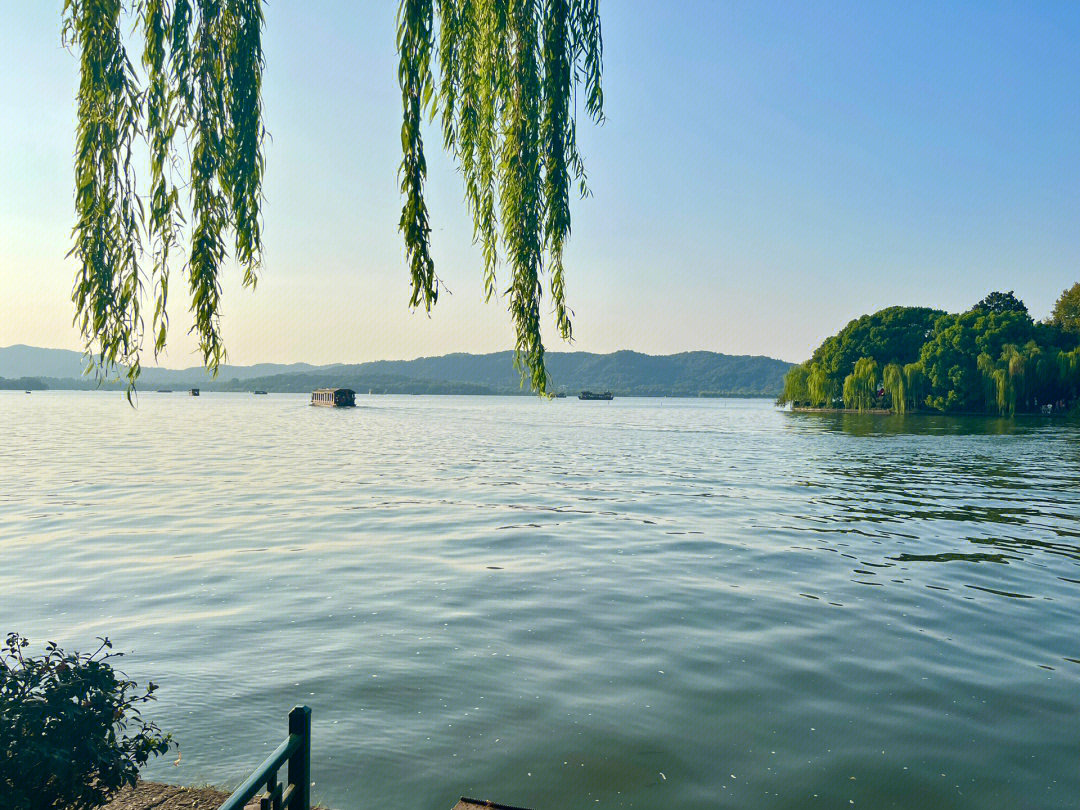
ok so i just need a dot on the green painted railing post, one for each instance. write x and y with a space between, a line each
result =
299 773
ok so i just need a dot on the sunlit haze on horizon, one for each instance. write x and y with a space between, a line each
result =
765 174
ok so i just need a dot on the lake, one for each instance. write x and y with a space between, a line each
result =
639 603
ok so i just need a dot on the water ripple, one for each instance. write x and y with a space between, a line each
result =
554 603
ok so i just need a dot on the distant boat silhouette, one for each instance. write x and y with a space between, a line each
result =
590 395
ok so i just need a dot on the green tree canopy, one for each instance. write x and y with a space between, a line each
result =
993 358
500 74
950 358
1001 302
892 335
1066 313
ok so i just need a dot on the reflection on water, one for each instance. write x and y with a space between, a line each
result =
638 603
922 424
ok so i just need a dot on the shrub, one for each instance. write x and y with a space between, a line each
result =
71 733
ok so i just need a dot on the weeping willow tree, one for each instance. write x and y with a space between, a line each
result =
820 387
914 385
892 380
795 387
1004 381
860 386
1068 364
501 75
1015 370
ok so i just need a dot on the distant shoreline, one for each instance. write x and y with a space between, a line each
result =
119 389
624 373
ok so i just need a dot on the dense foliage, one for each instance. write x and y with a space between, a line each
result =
71 733
1066 314
1000 302
991 359
505 88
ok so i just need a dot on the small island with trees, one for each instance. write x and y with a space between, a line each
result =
993 359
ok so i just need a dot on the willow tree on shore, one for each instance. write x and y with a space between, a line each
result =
993 358
860 386
820 387
500 75
914 386
795 387
892 380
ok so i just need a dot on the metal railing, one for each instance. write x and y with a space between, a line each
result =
294 752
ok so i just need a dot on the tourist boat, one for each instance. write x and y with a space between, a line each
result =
590 395
194 392
258 393
334 397
164 390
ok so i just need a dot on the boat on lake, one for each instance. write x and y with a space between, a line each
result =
259 393
194 392
334 397
592 395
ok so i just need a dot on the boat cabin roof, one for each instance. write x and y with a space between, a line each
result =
333 391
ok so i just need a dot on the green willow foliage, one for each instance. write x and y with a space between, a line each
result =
860 386
820 387
994 359
203 66
506 89
892 380
508 75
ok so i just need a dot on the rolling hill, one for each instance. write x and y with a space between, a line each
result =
625 373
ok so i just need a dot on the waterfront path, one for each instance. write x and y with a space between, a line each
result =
155 796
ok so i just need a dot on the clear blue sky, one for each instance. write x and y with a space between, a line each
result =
767 172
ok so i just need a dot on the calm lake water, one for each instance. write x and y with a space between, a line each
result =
640 603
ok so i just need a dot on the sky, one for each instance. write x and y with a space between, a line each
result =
766 173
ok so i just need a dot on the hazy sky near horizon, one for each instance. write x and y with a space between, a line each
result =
767 172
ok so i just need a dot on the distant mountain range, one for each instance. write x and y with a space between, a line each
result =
624 373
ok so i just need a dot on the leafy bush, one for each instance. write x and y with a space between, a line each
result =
71 733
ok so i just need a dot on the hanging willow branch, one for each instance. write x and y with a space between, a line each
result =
508 73
202 97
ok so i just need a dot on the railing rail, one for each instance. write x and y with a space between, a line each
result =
295 754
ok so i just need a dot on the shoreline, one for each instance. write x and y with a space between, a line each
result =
888 412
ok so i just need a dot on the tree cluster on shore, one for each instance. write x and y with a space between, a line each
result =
993 359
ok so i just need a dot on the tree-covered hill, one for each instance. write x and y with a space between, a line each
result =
994 358
624 373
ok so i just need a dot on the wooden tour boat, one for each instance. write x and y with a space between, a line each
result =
334 397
